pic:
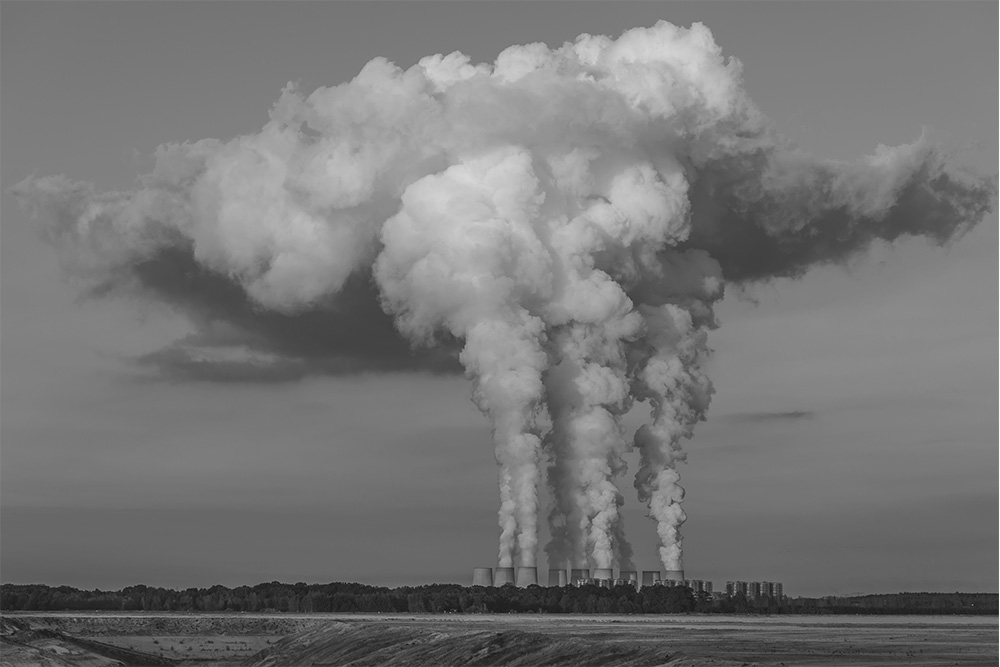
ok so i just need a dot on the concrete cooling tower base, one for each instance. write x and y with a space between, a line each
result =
503 576
650 577
482 576
523 577
527 576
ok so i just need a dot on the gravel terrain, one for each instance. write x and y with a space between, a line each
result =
299 640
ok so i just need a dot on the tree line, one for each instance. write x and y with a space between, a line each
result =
452 598
897 603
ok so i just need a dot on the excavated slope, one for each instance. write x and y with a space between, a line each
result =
346 644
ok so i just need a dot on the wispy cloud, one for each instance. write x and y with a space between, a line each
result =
245 364
757 417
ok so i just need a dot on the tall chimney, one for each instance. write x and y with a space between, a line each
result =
579 573
482 576
557 578
503 576
527 576
650 577
673 575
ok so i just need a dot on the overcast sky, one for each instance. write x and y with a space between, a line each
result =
852 442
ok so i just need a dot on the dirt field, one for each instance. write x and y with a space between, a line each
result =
194 647
82 640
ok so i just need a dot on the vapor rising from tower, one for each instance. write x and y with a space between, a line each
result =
561 222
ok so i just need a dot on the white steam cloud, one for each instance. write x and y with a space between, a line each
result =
567 217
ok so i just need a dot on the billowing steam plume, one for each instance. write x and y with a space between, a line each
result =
565 218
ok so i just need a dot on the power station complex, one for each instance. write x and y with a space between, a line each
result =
604 578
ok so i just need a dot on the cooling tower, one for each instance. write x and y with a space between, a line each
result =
604 574
527 576
503 576
673 575
557 578
630 575
578 574
482 576
650 577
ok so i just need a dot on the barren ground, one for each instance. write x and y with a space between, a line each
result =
276 640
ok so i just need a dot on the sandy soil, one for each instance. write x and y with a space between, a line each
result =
187 648
411 640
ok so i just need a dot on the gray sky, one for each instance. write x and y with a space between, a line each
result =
851 445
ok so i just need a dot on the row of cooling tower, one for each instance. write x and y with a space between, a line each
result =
528 576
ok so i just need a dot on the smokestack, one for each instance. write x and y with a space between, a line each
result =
650 577
527 576
674 575
604 574
579 573
557 578
482 576
504 576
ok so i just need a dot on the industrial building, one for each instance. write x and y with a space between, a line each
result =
699 586
604 578
755 589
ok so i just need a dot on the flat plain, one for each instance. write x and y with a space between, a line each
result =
81 639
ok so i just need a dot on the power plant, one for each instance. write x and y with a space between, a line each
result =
415 237
504 575
527 576
604 577
755 589
603 574
522 577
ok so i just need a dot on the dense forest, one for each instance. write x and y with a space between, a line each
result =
452 598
